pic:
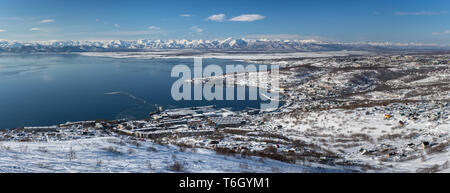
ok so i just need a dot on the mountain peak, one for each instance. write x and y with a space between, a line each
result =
224 44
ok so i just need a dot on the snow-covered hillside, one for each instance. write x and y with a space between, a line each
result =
114 154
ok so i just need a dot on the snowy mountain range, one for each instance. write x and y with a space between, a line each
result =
225 44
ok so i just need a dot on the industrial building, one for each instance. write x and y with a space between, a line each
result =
221 122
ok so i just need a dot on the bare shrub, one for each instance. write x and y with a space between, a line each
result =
410 135
412 157
261 160
438 148
270 150
225 151
176 166
362 137
71 155
43 149
131 151
182 148
5 148
275 170
135 143
347 145
391 137
113 150
434 168
99 163
367 167
43 165
152 149
117 142
243 166
383 159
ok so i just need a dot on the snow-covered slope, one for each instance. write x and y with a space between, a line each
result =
113 154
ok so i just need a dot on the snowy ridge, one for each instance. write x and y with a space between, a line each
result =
225 44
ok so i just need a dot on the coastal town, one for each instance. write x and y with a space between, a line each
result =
358 113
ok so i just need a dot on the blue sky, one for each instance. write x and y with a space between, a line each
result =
347 21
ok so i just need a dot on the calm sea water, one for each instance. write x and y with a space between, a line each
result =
47 89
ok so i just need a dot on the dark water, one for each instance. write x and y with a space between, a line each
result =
47 89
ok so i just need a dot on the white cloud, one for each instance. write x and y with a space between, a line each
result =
217 17
154 28
421 13
441 33
46 21
35 29
241 18
185 15
196 29
2 30
248 17
116 25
